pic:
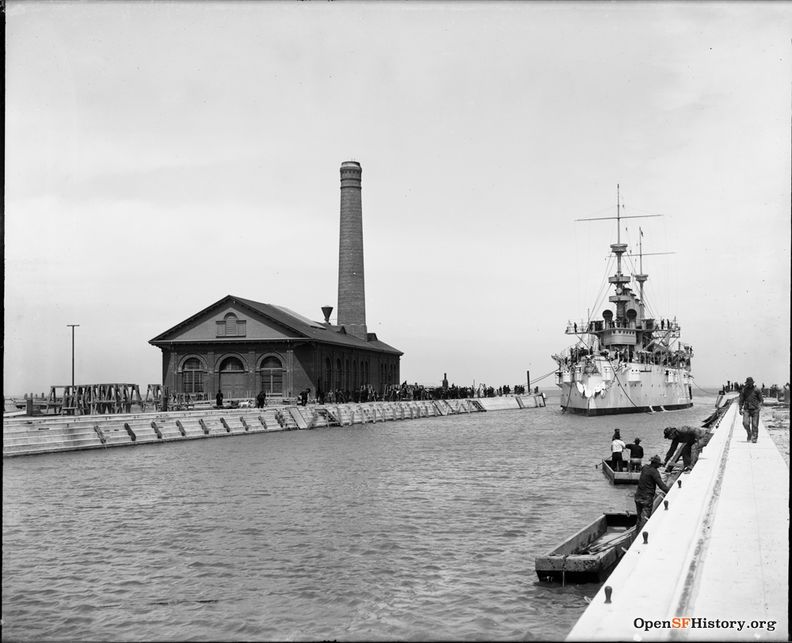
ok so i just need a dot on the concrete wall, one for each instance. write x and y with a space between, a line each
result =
54 434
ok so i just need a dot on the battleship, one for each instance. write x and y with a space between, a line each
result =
627 361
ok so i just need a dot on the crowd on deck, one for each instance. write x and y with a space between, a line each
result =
662 357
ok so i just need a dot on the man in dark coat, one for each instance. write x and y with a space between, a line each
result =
219 399
636 455
645 493
691 437
750 402
261 399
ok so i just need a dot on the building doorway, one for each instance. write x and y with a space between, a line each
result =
233 379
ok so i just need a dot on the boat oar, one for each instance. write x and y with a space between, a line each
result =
609 544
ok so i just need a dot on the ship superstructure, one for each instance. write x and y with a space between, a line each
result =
627 361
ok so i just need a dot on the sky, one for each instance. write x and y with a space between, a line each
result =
160 156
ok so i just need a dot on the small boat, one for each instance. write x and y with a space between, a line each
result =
619 477
591 554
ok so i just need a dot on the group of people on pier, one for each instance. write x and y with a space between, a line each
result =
693 441
774 392
390 393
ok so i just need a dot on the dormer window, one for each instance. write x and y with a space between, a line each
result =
230 326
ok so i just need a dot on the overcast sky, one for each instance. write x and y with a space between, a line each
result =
160 156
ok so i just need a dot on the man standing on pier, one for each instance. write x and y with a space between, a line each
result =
750 402
645 494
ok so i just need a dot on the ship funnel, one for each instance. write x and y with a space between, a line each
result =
326 311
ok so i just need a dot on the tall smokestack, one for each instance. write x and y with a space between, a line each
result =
351 286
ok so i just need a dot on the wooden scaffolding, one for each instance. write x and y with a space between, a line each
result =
94 399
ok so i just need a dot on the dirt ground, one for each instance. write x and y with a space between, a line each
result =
776 421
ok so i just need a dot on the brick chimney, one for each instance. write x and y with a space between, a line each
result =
351 284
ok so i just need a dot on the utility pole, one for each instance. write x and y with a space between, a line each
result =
72 326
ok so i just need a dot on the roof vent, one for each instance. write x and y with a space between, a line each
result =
326 311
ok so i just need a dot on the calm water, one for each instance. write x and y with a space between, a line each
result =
420 529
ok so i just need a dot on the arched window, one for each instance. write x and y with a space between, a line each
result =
231 364
271 373
192 377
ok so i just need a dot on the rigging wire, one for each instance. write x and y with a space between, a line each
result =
616 375
603 287
541 377
698 387
654 214
578 300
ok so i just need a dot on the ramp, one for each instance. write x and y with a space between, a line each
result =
297 416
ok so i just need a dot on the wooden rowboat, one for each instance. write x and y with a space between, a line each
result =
619 477
591 554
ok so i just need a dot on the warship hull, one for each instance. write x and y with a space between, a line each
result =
633 388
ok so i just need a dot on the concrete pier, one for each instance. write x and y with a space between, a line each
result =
716 560
24 435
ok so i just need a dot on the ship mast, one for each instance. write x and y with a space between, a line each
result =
640 277
619 280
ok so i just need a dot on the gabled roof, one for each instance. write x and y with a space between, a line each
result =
296 325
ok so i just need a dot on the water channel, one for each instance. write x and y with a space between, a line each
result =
413 530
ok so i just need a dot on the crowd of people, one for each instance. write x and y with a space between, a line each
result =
391 393
661 357
408 392
597 325
774 391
